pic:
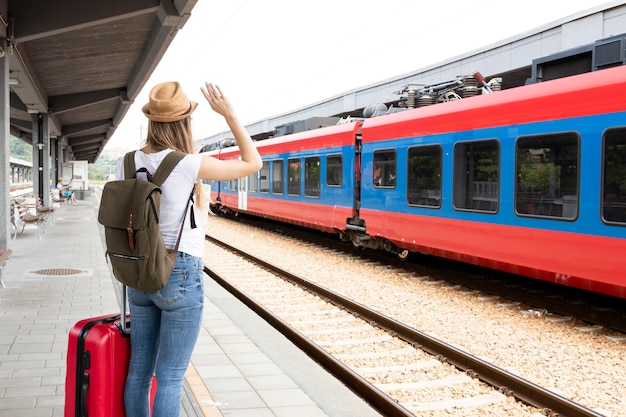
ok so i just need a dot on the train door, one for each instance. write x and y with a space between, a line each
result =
242 193
358 151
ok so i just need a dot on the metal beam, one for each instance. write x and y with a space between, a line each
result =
79 140
35 19
60 104
172 16
76 148
24 124
170 21
16 103
70 130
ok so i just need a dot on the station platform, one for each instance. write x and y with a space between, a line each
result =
241 366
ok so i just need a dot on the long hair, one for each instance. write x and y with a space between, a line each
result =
178 136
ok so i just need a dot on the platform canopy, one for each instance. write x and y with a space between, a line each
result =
83 62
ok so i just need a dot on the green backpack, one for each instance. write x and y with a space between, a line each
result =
129 212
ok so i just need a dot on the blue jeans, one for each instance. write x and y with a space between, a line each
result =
164 329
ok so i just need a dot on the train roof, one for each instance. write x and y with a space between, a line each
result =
322 138
575 96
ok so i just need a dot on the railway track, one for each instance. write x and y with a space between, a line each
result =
20 189
399 370
596 312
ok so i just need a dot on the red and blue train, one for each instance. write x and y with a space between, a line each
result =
529 180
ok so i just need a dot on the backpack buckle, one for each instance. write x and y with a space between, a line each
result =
129 229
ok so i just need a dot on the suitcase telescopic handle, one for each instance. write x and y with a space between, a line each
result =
124 324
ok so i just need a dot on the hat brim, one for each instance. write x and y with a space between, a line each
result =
165 119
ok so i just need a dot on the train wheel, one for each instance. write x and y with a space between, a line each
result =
404 254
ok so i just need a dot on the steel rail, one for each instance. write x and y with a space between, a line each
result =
370 393
505 382
598 309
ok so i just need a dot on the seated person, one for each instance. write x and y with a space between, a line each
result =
377 175
65 191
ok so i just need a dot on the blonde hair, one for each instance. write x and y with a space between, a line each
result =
174 135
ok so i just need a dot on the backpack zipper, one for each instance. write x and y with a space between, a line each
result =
129 257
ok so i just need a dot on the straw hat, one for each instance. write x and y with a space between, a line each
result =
168 103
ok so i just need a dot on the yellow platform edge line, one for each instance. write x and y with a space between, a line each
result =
201 393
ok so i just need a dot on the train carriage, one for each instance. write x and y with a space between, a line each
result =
526 180
307 179
530 180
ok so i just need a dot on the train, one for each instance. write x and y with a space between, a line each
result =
529 180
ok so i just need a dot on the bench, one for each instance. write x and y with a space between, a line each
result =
56 197
40 208
5 254
22 216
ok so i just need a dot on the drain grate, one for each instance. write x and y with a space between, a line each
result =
58 271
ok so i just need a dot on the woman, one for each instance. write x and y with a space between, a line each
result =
64 191
165 324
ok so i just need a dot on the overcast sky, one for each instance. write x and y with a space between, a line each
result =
274 56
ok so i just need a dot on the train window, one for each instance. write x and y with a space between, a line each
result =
312 176
547 176
614 176
253 185
384 172
293 182
424 176
334 170
232 184
476 181
278 184
264 177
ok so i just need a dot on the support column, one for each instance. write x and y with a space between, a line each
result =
45 192
37 154
5 164
60 158
41 156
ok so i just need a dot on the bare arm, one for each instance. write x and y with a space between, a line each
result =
215 169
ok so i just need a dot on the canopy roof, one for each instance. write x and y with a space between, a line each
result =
83 62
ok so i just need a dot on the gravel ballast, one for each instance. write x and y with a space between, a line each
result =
580 362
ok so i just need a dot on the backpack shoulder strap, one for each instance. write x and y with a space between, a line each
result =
129 165
166 167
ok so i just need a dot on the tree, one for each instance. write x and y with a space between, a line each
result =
20 149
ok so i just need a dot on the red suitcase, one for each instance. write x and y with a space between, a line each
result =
97 364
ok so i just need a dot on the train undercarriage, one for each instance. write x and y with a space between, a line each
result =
356 233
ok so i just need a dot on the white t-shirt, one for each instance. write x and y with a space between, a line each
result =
175 200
